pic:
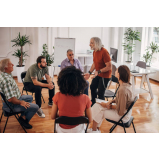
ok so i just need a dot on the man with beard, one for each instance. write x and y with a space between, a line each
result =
33 82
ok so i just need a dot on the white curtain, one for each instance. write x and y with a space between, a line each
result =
147 37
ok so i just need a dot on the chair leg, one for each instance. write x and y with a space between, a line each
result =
55 127
124 129
42 98
86 128
113 127
20 123
1 116
5 125
133 127
123 126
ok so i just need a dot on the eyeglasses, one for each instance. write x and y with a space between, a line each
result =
71 54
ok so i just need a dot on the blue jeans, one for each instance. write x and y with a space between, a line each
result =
29 112
86 89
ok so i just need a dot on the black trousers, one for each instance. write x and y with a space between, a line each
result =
100 84
37 90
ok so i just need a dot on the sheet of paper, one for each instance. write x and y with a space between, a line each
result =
100 100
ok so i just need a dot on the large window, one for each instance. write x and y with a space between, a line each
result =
155 59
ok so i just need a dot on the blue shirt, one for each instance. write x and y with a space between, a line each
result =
66 63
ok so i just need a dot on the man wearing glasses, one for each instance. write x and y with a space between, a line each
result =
71 61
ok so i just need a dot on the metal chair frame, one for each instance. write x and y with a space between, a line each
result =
121 123
11 113
71 121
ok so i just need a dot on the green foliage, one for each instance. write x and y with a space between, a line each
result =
130 37
20 41
147 57
153 48
156 29
17 54
49 58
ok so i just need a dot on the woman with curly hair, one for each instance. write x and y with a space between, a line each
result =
71 101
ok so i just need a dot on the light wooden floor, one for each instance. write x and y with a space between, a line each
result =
145 112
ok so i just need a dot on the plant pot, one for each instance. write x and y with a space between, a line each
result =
19 71
50 70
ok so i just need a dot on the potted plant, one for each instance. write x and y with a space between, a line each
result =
49 58
129 44
154 48
20 41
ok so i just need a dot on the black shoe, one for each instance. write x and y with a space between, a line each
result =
24 123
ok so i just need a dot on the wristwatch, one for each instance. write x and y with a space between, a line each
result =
99 71
89 72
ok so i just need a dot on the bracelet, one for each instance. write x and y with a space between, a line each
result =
90 72
99 71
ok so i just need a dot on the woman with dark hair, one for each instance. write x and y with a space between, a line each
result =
71 101
123 100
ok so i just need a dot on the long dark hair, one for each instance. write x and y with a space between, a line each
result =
124 73
71 81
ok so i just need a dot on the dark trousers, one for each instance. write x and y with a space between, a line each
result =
100 84
37 90
86 89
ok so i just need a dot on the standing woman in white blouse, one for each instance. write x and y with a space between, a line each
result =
123 100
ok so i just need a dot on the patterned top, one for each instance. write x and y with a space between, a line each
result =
66 63
8 86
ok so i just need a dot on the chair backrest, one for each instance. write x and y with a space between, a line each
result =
114 79
5 100
71 121
130 107
141 64
23 74
113 69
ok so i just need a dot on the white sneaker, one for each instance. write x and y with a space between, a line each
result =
91 131
40 113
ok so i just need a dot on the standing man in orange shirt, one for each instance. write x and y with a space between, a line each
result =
103 70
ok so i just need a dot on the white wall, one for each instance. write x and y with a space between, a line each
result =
111 37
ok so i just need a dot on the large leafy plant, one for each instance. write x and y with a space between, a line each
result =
49 58
153 48
129 42
20 41
17 54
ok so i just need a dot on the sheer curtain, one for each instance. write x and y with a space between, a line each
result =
147 38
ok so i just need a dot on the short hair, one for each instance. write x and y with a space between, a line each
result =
39 59
69 50
71 81
98 43
3 64
124 73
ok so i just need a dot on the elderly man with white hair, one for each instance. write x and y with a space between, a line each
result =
103 70
12 93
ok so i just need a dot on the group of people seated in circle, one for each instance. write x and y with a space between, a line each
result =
72 100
